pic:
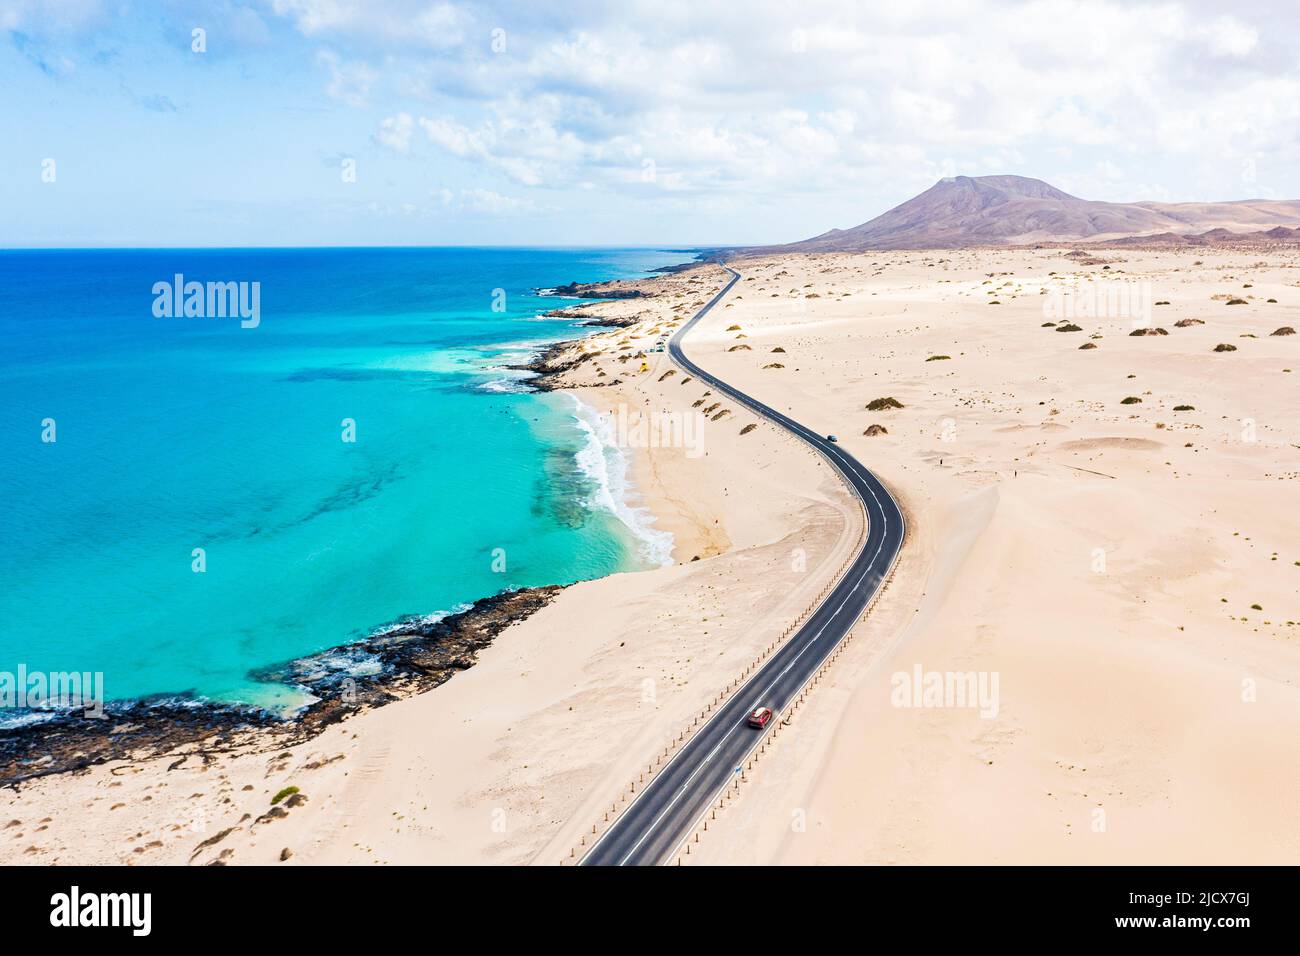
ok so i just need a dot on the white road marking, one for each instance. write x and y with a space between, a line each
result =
853 471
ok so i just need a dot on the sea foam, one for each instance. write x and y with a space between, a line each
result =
607 466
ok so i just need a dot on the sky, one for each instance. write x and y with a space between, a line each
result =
409 122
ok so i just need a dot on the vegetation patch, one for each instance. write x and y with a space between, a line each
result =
881 404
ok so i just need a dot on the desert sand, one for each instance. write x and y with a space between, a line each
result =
1128 571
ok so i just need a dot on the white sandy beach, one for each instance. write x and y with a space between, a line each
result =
1102 559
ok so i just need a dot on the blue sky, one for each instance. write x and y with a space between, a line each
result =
659 123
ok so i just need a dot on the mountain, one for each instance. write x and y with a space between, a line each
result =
1015 210
1215 237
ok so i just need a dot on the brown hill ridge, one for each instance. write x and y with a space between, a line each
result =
1015 210
1214 237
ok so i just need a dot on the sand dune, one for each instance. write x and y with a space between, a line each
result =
1131 574
1127 571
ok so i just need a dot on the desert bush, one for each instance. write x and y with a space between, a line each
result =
882 404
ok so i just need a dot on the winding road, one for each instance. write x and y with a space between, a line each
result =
664 814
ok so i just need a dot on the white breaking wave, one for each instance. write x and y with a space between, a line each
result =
607 466
26 718
422 620
507 386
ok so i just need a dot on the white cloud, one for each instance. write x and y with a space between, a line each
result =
350 82
56 16
819 97
530 150
1228 36
395 132
400 23
456 139
486 202
495 204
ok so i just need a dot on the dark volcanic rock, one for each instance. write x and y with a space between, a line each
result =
612 322
550 363
598 290
407 658
582 315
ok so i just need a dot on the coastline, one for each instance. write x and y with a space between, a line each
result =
393 661
549 723
399 660
1112 680
608 467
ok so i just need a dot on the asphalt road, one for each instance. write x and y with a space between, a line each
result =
665 812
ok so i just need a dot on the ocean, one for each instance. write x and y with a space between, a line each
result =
189 498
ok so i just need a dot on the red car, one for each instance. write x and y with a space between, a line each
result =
760 717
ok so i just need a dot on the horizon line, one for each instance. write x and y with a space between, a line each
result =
521 246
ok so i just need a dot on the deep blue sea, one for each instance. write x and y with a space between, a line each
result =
173 434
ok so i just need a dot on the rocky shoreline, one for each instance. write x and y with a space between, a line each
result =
551 363
614 289
397 662
579 314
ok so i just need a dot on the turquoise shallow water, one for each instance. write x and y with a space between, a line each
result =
182 433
